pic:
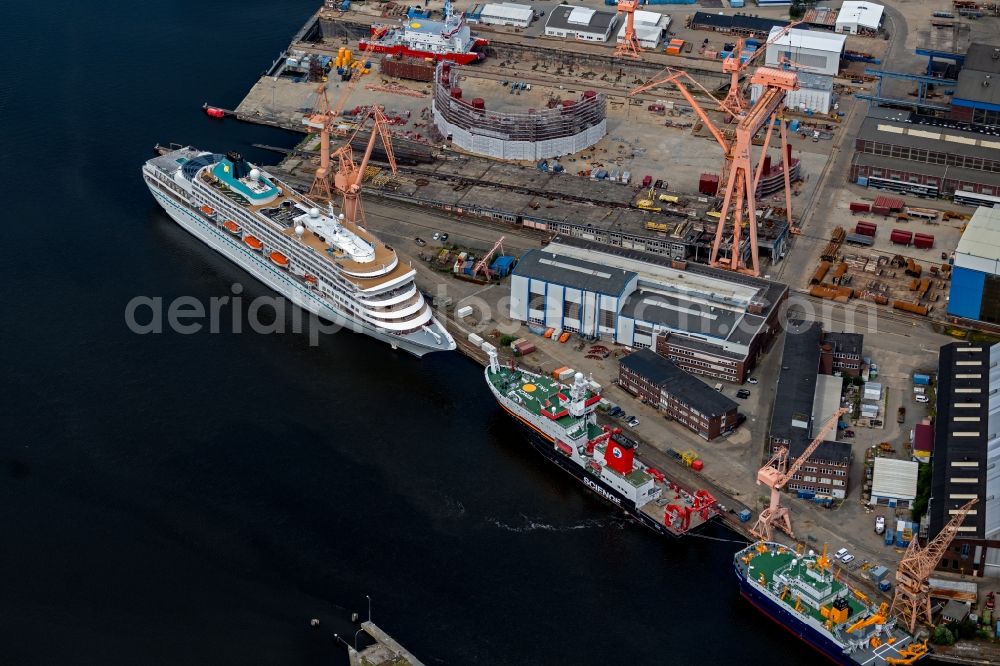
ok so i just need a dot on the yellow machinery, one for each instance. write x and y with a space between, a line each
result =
689 456
877 618
669 198
647 204
908 655
658 226
823 562
838 615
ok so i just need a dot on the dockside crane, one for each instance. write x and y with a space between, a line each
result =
739 172
912 600
629 47
349 175
776 473
734 65
322 119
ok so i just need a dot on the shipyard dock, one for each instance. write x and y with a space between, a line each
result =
384 652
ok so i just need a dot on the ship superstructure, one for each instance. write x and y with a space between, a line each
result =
801 592
562 425
450 40
319 260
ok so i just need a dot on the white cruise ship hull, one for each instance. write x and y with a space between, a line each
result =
277 279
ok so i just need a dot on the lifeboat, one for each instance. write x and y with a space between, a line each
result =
214 112
279 259
207 210
254 243
311 279
231 227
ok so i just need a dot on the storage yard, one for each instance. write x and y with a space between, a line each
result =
540 141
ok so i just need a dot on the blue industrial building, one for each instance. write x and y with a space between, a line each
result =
975 281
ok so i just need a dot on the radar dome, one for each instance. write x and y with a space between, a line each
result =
578 376
341 216
255 174
299 230
314 212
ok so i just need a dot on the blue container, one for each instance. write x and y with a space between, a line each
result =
921 380
889 536
863 181
736 4
885 585
751 42
806 494
345 5
745 516
794 125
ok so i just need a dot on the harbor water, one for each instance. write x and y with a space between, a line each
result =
197 499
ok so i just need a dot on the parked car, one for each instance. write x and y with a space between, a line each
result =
848 433
633 422
923 399
420 241
879 524
444 237
718 387
742 394
616 412
752 380
436 236
840 553
847 558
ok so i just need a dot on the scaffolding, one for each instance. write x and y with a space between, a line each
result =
567 128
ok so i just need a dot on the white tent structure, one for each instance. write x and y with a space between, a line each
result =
859 16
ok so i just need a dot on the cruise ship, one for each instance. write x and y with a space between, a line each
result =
799 591
319 260
421 38
562 425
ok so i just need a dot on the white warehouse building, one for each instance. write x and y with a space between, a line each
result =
580 23
857 17
507 13
649 28
810 51
815 93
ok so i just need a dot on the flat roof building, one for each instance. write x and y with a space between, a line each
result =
706 320
977 93
814 94
649 28
580 23
975 277
966 448
737 24
894 482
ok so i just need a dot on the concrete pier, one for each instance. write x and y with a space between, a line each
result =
385 652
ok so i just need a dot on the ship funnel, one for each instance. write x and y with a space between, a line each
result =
240 167
494 362
620 454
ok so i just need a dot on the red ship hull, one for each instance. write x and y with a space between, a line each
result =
401 50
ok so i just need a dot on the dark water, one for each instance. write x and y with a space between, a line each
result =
171 499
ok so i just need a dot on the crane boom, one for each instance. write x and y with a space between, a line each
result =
674 76
776 473
734 65
912 599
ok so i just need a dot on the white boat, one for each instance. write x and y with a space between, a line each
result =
332 268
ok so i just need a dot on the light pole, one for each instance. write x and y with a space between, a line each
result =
338 638
356 639
369 607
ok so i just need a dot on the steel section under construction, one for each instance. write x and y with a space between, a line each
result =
570 127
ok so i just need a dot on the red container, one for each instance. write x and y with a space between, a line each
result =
900 237
708 184
697 465
589 94
923 241
860 207
478 103
456 92
647 181
866 228
880 210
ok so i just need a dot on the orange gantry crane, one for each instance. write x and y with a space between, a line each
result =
322 119
482 266
735 66
349 175
740 172
629 47
912 600
776 473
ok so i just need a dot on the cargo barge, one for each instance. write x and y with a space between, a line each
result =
800 592
562 425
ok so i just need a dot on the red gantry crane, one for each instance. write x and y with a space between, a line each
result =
912 600
347 180
629 47
322 119
776 473
740 173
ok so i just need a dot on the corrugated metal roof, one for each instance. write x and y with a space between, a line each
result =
826 402
923 437
808 39
894 479
892 203
865 14
509 10
981 238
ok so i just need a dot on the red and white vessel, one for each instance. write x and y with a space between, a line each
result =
420 38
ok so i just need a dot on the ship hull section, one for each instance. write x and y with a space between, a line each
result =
274 277
401 50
